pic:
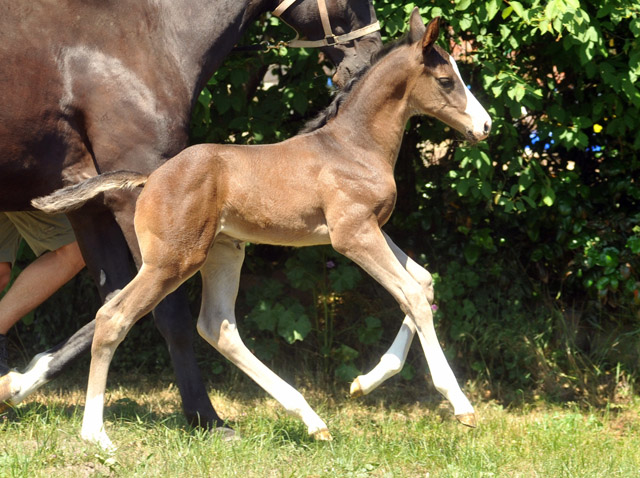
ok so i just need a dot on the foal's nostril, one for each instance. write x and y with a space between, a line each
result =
487 127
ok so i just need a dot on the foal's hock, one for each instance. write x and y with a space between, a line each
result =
332 185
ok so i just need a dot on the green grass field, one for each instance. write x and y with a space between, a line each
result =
386 434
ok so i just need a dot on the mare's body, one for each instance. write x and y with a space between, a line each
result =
88 87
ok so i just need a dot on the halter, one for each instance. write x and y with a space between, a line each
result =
329 38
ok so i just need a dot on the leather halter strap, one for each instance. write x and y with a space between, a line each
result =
329 38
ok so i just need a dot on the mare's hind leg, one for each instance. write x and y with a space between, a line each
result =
393 360
368 248
217 325
113 322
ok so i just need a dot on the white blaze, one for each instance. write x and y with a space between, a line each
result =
479 116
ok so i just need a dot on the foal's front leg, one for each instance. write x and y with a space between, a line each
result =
395 357
217 325
368 248
390 363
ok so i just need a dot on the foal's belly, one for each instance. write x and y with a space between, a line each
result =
297 235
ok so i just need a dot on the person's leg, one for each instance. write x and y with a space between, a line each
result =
37 282
9 243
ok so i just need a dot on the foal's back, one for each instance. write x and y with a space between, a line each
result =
269 194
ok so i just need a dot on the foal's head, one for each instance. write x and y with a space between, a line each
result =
439 90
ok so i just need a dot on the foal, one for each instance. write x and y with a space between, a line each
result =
333 185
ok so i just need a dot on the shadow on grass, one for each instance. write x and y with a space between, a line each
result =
123 410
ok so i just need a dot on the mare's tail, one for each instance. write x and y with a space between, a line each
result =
73 197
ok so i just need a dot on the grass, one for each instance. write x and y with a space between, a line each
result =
390 433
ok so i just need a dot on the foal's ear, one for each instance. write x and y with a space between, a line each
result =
431 35
416 26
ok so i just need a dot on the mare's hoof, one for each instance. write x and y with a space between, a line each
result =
322 435
6 391
226 434
468 419
356 389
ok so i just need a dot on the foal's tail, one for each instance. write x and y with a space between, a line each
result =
73 197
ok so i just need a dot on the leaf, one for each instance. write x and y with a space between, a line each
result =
222 102
344 353
239 77
549 197
471 253
465 22
517 8
493 7
371 332
293 324
265 315
408 372
300 103
344 278
633 243
346 372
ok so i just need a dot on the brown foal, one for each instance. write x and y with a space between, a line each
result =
333 185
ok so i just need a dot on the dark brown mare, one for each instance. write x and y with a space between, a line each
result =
88 87
332 185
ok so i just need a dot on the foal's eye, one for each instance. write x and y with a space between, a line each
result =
445 82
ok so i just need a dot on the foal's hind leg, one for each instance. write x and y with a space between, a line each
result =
368 248
170 315
217 325
113 321
393 360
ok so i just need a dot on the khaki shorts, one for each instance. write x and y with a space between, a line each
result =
43 232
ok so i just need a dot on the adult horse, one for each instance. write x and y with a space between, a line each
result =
91 87
331 185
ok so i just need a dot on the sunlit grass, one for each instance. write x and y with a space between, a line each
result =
383 435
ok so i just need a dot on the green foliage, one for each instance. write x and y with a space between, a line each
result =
317 281
236 107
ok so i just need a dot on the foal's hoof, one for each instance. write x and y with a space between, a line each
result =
322 435
226 434
99 439
356 390
468 419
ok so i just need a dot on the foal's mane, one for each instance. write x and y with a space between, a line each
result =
332 110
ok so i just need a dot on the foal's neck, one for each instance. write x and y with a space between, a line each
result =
374 115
